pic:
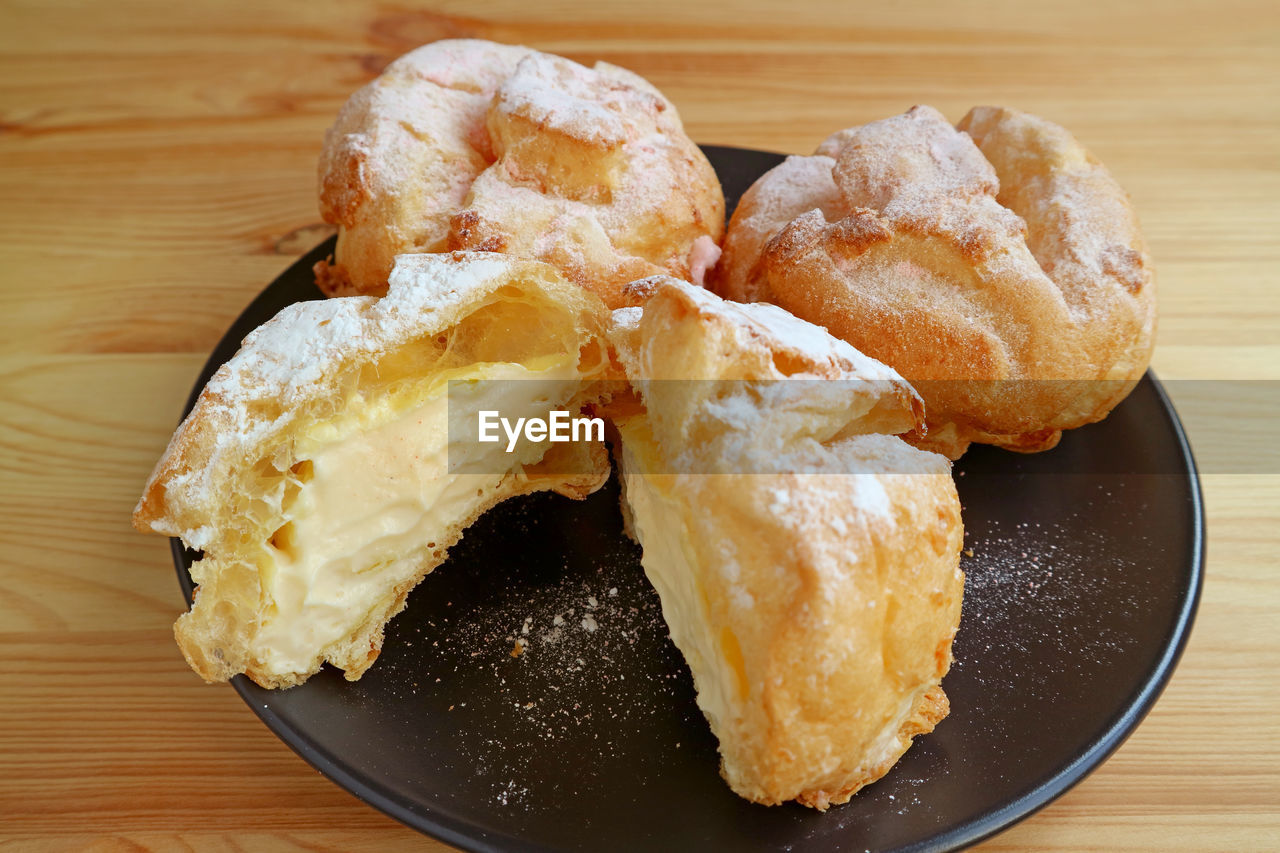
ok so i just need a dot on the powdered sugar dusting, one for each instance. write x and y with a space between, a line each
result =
289 355
1031 566
784 330
465 145
626 319
1079 224
565 96
1047 572
289 363
578 711
595 666
793 187
907 165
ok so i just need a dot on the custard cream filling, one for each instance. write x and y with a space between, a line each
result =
378 493
672 567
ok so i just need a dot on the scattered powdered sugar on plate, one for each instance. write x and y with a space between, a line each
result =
1049 614
1053 568
570 655
1056 613
542 659
510 793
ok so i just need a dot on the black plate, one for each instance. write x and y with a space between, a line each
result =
1082 587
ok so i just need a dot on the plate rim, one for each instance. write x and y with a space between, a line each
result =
453 831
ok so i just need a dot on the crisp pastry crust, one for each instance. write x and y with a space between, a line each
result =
467 144
314 470
997 265
806 558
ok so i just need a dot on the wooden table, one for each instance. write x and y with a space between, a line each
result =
157 166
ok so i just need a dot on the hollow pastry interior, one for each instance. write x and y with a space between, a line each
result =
317 471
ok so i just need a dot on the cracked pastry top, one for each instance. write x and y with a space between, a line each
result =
472 145
997 265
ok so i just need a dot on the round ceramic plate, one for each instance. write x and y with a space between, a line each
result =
1084 570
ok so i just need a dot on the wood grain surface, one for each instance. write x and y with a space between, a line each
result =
157 167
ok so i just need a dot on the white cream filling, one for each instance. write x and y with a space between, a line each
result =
379 499
671 566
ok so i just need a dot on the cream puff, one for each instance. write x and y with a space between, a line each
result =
472 145
807 558
996 264
318 471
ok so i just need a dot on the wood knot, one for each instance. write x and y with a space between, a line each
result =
303 239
